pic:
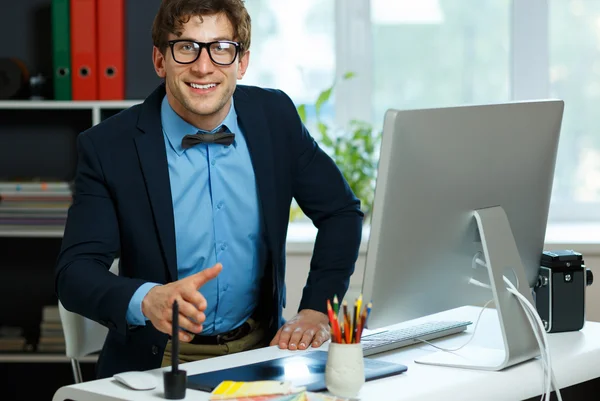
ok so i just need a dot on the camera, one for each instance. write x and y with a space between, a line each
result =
560 290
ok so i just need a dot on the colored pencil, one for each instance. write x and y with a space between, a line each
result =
336 306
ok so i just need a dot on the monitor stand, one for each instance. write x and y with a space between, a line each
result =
519 340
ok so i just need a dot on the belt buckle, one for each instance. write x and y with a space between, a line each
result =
219 340
226 337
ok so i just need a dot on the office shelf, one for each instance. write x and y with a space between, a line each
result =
37 357
96 110
38 141
71 104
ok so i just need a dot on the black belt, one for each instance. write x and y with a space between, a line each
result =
223 338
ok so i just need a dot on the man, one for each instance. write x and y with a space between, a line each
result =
203 223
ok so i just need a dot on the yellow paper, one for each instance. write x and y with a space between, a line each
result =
230 389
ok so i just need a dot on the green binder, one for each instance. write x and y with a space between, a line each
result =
61 49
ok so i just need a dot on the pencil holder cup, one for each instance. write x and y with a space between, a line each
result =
345 369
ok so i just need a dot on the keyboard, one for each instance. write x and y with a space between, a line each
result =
392 339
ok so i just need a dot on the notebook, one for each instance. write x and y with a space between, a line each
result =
303 370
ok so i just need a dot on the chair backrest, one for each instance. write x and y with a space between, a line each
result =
83 336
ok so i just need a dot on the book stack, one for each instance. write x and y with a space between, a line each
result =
26 204
11 339
52 339
264 390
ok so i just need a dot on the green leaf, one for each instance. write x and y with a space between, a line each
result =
323 130
322 99
302 112
348 75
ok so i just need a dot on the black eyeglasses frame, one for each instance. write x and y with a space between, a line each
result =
203 45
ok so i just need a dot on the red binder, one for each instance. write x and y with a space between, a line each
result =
111 49
84 59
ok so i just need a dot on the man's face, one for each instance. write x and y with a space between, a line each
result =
201 92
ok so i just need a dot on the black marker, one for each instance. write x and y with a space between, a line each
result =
175 380
175 339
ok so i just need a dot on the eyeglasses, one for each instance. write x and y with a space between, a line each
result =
221 52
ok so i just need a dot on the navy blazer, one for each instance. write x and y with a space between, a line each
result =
122 207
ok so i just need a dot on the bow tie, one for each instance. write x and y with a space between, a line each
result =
221 137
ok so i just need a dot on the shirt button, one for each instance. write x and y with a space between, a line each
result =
213 162
220 205
223 247
154 350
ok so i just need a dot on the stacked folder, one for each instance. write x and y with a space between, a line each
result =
88 49
26 204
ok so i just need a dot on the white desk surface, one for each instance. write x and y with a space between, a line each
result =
575 357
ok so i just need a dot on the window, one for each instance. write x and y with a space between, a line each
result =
435 53
574 66
431 53
293 46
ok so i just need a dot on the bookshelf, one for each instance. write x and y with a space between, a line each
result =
55 126
38 141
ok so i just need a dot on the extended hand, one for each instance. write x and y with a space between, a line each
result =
308 327
158 303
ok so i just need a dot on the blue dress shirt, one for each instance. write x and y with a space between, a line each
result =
217 219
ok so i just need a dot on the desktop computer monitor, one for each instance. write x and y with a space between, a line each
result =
441 170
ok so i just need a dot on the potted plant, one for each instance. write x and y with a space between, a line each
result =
355 150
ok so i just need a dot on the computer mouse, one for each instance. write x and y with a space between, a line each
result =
136 380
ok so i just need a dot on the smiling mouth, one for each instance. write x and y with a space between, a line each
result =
198 86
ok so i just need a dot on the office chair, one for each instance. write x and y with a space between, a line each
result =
82 335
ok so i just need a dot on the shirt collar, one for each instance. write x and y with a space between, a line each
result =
175 127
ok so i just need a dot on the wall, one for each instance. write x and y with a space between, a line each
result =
298 265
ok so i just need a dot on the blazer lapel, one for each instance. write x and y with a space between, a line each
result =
253 120
153 161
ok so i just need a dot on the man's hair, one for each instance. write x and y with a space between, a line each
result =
173 14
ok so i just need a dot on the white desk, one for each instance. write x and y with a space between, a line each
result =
575 359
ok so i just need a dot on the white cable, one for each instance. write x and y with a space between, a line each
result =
536 323
470 338
546 362
482 263
545 354
534 318
539 331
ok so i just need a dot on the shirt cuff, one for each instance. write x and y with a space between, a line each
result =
135 317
